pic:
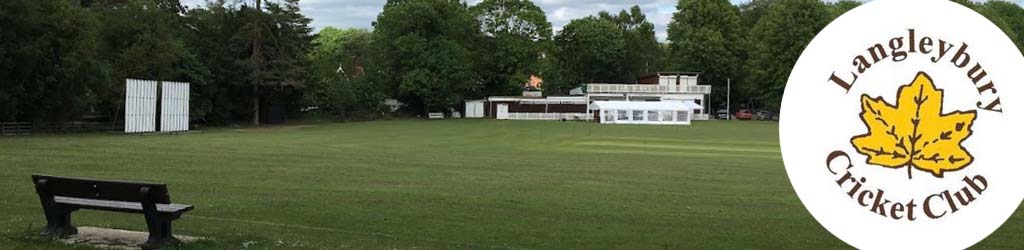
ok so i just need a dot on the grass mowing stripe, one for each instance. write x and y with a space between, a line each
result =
449 184
680 147
335 230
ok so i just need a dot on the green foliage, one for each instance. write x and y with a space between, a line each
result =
744 91
223 34
777 41
219 100
517 38
61 61
427 49
840 7
287 44
141 39
751 13
590 50
1008 16
705 36
64 62
643 53
276 67
48 61
336 62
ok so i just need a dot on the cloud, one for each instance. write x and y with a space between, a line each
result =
362 13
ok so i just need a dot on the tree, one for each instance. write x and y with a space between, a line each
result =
336 61
1008 16
751 13
48 61
517 35
743 90
426 51
590 50
239 86
643 53
142 39
220 100
840 7
778 39
279 41
705 36
255 62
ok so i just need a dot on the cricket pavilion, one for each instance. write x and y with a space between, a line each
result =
664 98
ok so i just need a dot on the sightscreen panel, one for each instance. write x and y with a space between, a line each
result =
140 106
174 107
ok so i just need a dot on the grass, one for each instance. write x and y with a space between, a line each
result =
454 184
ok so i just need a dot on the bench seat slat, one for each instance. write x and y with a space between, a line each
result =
132 207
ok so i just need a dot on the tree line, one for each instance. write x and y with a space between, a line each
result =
63 60
67 60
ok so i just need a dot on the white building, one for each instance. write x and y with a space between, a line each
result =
664 86
658 93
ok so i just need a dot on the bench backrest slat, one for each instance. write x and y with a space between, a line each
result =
103 189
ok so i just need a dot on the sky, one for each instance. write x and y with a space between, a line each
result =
361 13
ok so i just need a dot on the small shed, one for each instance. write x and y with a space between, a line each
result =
474 109
638 112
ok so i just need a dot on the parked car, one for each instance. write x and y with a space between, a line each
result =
763 115
743 115
722 114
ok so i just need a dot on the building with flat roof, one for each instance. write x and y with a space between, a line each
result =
662 86
664 89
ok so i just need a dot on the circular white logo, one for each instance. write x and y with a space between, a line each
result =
900 123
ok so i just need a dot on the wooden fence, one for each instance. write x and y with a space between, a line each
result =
24 128
15 128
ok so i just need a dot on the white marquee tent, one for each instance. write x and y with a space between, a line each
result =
638 112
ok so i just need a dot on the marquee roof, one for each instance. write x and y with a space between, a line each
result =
640 105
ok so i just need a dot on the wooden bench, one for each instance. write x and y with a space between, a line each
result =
62 195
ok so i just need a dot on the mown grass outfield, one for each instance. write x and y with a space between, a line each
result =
454 184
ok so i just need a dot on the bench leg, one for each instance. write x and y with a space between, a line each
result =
58 218
58 223
159 233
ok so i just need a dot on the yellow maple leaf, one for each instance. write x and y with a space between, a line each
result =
914 133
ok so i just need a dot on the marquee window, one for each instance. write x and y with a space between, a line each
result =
645 112
682 116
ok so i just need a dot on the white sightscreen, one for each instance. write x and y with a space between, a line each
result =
140 106
174 106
